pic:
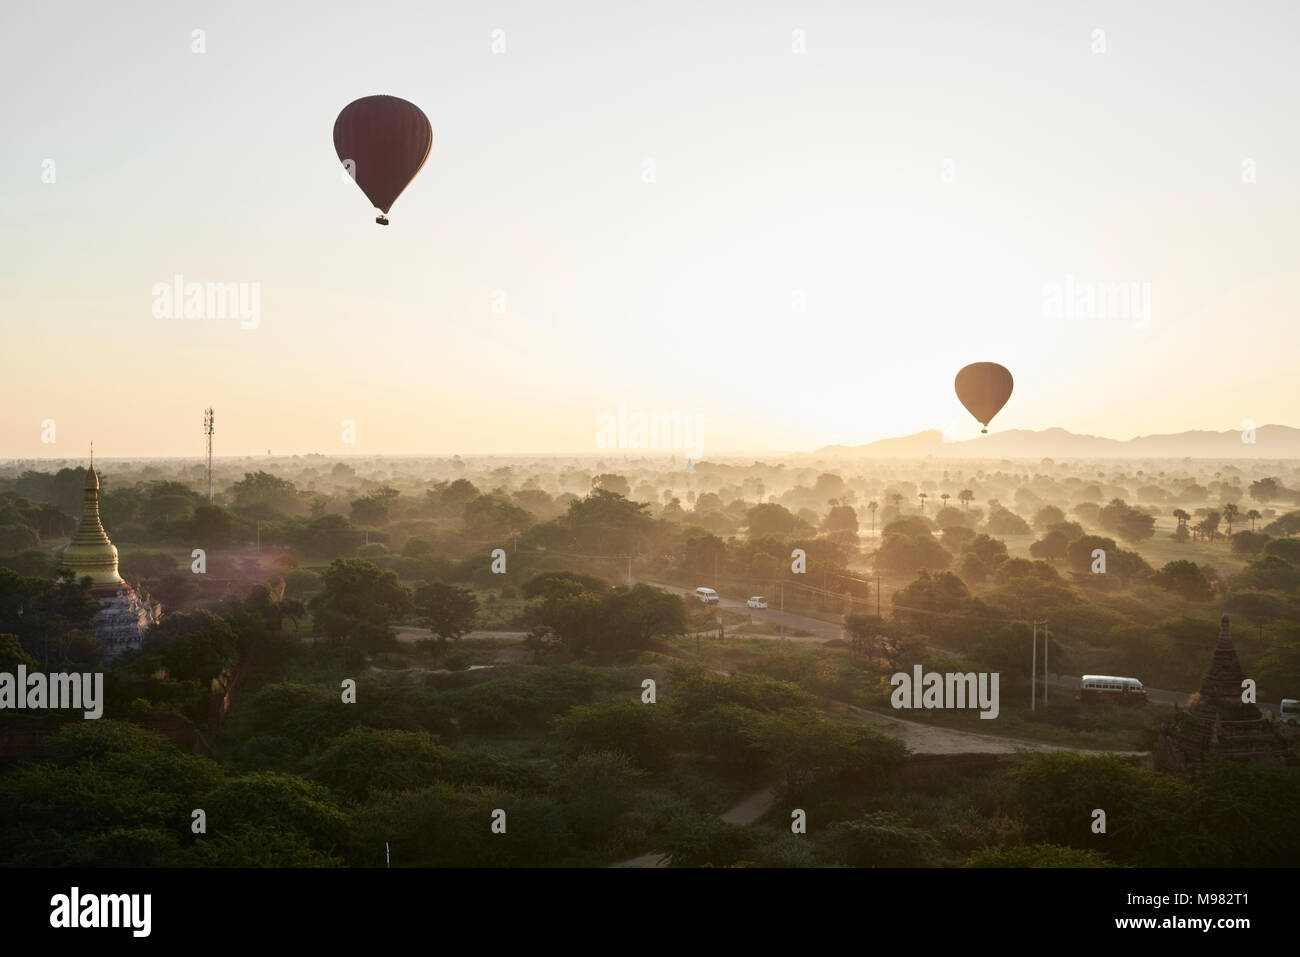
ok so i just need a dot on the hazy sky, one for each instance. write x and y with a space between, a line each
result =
799 272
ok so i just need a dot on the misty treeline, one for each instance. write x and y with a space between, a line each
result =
313 569
963 551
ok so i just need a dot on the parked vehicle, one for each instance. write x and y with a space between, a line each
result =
707 595
1094 688
758 601
1289 712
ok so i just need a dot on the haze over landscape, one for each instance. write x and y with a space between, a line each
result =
828 236
728 436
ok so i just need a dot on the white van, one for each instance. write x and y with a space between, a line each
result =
707 595
1289 711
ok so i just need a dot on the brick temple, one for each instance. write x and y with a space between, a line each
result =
1217 724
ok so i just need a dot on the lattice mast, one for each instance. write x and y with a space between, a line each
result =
208 429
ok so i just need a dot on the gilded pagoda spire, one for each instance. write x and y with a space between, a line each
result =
90 552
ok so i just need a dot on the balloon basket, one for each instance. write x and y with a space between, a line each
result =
382 220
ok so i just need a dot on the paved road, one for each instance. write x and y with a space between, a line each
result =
818 631
1157 695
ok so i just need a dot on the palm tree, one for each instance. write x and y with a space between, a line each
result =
965 496
1230 513
1253 515
873 505
922 496
945 496
1182 517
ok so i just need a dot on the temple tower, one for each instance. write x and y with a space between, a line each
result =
1217 723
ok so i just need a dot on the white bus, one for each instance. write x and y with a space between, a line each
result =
1110 688
1289 711
707 595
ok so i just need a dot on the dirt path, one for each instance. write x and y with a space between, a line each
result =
410 634
930 739
748 810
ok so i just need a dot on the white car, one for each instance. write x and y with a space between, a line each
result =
758 601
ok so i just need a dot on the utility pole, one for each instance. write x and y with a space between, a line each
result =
877 595
1033 673
783 611
1033 694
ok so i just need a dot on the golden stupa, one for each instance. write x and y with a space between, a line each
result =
90 552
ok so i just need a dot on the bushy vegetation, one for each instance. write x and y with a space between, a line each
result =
499 655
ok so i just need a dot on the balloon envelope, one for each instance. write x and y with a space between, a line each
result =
983 388
387 140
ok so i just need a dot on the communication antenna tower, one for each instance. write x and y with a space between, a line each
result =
207 430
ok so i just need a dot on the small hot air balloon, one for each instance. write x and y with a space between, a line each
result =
983 388
383 141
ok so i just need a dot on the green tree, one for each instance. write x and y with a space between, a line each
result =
1036 855
1269 573
263 495
616 484
1005 522
12 655
907 546
1052 547
1279 668
213 527
1184 578
991 551
1249 543
770 519
280 803
365 761
700 840
374 508
357 593
194 646
1047 516
882 839
488 517
1287 549
645 734
448 611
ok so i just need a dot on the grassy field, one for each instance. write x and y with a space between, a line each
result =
1163 548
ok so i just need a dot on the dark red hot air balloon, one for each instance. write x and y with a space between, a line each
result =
386 140
983 388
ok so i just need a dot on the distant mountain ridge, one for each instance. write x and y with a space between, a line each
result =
1271 442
